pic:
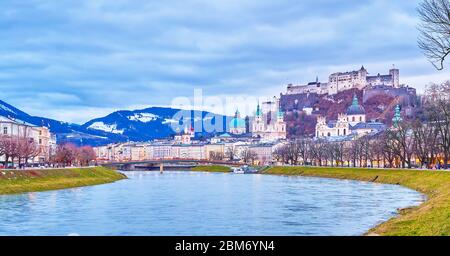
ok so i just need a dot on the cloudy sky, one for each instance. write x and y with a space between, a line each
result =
75 60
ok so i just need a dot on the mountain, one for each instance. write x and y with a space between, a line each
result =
65 132
155 123
120 126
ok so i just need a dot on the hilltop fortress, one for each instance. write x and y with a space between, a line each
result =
341 81
306 105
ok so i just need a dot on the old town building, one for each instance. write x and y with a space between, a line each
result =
351 124
268 123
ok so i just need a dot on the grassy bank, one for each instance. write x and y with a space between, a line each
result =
211 168
430 218
19 181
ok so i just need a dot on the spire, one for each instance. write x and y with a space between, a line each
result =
280 114
355 100
397 116
258 110
237 114
317 79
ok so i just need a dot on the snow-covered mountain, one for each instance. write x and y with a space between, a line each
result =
154 122
65 132
120 126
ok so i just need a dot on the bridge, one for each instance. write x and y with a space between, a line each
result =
161 164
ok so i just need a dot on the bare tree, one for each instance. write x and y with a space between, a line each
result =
364 150
425 136
66 154
216 156
403 143
27 149
230 153
9 146
338 150
318 150
249 156
280 154
437 108
353 152
304 146
86 155
388 148
434 29
376 150
293 152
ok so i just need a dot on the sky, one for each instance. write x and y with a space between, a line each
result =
77 60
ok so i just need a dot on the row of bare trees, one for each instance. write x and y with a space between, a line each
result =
70 155
247 155
424 141
16 149
23 150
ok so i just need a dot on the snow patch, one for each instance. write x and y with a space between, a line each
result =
170 120
112 128
143 117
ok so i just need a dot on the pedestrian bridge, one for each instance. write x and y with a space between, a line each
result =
166 164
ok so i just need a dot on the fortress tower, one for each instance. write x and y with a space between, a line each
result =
395 74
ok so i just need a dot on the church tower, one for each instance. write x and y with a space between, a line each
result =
397 119
258 123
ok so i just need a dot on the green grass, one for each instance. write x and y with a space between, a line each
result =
432 218
20 181
211 168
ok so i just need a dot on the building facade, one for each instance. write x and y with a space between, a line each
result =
341 81
268 123
44 140
237 124
351 124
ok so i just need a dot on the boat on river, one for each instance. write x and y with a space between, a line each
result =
244 170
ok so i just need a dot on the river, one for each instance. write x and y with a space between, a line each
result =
197 203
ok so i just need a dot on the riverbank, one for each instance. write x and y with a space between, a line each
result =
432 218
211 168
20 181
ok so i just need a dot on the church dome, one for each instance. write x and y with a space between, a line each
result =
355 108
237 121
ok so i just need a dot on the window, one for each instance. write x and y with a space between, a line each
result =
360 118
353 119
339 132
345 132
329 134
5 130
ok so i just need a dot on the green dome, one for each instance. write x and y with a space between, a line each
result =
355 108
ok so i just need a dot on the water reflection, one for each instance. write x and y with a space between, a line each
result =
188 203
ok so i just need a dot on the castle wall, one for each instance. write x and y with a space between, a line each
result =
407 93
342 81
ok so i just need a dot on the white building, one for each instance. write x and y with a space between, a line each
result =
159 151
352 123
268 123
45 140
194 151
237 124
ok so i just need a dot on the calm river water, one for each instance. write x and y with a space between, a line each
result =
195 203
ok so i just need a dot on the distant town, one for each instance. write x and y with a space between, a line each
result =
352 139
373 136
